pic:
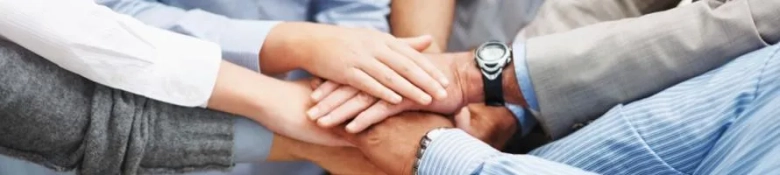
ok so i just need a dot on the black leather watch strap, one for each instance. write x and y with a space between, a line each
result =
494 93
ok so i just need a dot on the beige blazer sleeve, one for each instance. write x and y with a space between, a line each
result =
579 74
557 16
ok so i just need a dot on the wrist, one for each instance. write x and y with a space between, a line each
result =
281 50
284 149
470 77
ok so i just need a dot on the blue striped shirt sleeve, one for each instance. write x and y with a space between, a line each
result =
456 152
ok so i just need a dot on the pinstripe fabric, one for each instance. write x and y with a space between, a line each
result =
726 121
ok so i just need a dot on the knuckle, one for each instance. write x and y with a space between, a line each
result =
365 98
325 105
389 78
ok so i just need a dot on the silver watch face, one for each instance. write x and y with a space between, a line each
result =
492 52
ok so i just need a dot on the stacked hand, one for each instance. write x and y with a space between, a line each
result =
393 143
376 63
338 103
337 160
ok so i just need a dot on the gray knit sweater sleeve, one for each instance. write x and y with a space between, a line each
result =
60 120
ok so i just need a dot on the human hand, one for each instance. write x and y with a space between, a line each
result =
392 144
276 104
336 160
340 103
371 61
494 125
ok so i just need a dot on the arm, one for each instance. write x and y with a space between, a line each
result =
476 157
276 48
63 121
452 152
560 15
241 40
120 52
579 74
413 18
370 14
114 50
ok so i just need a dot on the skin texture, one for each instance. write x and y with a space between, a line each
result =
337 160
491 124
369 60
392 144
344 103
276 104
410 18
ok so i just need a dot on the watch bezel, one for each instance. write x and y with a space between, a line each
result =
491 68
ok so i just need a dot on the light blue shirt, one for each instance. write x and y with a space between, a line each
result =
525 119
240 28
722 122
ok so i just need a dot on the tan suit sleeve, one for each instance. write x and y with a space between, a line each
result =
578 75
556 16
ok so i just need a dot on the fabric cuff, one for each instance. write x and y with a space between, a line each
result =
187 68
187 139
252 141
523 77
455 152
241 40
524 120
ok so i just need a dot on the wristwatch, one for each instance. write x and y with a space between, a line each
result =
424 142
491 59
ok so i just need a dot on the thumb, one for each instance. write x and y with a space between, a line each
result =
463 119
347 139
419 43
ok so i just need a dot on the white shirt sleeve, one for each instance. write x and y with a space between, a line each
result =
113 49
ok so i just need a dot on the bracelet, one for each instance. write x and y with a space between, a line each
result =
424 141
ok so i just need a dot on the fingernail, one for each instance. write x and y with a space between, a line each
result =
313 113
352 128
326 120
425 99
444 82
441 94
316 95
395 99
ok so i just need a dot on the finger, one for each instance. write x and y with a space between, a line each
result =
347 110
316 82
333 100
363 82
374 114
419 43
463 119
424 63
392 79
406 61
323 90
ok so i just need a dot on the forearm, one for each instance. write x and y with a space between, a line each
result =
113 49
471 80
240 40
337 160
258 97
283 46
64 121
561 16
278 105
475 157
410 18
